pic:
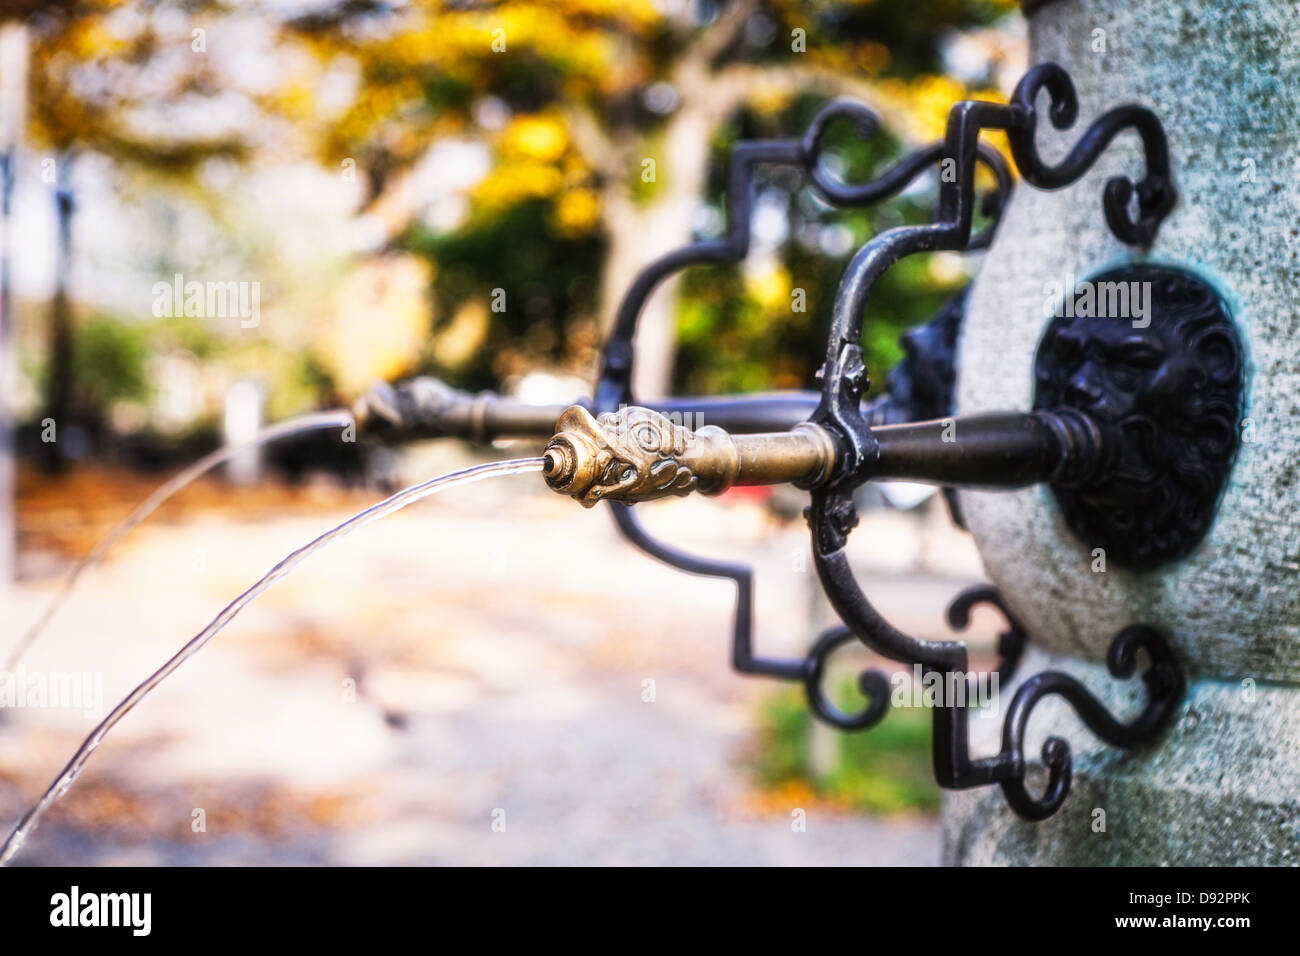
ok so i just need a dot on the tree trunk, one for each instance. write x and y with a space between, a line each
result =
58 385
639 233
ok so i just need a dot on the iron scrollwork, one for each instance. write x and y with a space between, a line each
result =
831 514
613 388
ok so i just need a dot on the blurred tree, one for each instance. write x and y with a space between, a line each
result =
602 117
109 361
103 71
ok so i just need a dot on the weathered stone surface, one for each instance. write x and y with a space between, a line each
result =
1225 81
1222 786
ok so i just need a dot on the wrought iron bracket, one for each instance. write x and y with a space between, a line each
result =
613 388
614 381
1017 440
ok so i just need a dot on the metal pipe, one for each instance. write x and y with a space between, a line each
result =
428 408
636 454
425 407
995 450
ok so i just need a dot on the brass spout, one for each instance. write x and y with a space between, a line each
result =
637 454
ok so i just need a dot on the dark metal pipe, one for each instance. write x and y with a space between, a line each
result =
428 408
994 450
976 451
743 414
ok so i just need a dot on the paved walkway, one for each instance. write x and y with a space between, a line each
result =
500 640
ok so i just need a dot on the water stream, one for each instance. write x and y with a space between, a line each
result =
396 502
294 426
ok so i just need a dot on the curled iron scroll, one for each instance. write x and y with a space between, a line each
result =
1164 684
895 179
1154 191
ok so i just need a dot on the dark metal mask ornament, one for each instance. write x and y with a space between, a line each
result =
1171 378
1134 428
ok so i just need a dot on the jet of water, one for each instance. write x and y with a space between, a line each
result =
400 500
294 426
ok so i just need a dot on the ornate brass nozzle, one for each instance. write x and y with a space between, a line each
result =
637 454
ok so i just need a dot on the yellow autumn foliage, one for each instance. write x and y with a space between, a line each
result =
770 288
576 212
534 161
457 343
510 182
382 322
532 136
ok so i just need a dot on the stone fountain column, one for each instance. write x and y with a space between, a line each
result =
1223 785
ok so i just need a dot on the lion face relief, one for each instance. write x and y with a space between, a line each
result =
1164 377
